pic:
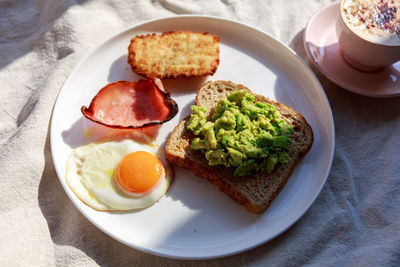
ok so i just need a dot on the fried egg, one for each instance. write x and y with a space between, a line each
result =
118 176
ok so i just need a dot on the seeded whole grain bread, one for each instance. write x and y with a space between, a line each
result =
175 54
255 192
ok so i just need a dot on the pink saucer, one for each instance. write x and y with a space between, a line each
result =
322 48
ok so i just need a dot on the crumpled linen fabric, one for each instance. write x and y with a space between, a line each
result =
353 222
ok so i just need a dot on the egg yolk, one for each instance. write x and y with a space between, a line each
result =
138 172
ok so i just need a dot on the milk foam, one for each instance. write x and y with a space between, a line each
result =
374 20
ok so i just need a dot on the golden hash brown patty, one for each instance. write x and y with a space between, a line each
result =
177 54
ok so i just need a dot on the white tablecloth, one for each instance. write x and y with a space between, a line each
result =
353 222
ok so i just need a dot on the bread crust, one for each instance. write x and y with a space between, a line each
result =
255 192
174 54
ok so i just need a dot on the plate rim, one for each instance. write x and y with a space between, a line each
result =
206 17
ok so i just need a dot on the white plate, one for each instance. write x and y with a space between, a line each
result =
194 220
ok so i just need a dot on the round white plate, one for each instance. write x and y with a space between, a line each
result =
194 220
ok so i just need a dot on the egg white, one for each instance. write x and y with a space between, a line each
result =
90 175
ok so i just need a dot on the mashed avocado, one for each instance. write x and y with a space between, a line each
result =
250 136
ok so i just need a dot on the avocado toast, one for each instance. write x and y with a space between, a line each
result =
254 190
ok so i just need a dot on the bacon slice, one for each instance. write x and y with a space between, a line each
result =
131 105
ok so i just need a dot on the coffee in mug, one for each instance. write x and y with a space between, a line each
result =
368 33
374 20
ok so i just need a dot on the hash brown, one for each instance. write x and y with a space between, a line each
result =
174 54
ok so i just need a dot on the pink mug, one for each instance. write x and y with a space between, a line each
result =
369 33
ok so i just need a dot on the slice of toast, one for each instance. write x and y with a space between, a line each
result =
177 54
255 191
